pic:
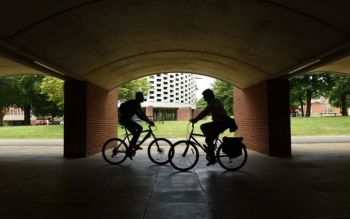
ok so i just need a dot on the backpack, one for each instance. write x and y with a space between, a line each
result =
123 108
232 146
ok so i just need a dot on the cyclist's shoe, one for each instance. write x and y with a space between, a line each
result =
137 148
130 153
211 162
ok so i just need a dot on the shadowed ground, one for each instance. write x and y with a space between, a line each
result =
36 182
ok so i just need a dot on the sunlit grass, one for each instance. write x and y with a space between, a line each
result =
320 126
178 129
31 132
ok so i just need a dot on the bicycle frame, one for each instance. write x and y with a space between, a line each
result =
149 132
192 139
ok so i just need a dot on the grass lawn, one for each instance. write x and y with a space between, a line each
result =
320 126
178 129
31 132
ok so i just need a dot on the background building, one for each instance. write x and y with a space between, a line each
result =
172 96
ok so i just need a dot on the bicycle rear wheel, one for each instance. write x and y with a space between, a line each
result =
114 151
231 163
158 151
183 155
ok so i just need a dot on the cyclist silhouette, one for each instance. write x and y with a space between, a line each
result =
126 111
220 122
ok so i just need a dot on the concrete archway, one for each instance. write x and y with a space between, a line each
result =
97 45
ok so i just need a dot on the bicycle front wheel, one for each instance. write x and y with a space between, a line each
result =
114 151
158 151
231 163
183 155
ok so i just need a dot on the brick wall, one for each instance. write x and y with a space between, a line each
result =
149 112
262 116
184 114
101 117
250 110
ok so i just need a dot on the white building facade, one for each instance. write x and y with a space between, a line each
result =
170 95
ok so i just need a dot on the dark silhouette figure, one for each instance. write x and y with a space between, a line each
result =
126 111
221 121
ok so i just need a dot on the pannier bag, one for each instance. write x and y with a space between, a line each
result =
232 146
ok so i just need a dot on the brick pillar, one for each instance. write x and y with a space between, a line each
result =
101 117
262 116
149 112
90 118
74 118
184 114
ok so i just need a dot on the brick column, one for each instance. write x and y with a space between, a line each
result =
184 114
101 117
149 112
262 116
90 118
74 119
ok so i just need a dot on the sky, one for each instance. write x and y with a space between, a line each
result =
203 82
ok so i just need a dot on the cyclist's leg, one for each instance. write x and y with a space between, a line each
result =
211 131
208 130
135 129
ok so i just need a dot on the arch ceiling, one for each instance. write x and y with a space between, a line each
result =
112 41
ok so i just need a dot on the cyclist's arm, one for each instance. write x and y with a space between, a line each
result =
202 114
142 116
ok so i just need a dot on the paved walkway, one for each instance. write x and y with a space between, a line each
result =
36 182
59 142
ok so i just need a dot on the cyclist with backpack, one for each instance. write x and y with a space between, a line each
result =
221 122
126 111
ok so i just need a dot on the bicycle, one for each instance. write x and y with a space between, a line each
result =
184 154
116 150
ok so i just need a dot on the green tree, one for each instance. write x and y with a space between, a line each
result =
4 99
201 104
53 89
127 91
310 85
25 92
339 96
224 92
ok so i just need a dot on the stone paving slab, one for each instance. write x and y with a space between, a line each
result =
36 182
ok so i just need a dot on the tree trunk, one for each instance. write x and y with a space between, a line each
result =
2 114
301 105
26 110
308 103
344 107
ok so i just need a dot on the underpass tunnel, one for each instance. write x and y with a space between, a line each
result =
95 46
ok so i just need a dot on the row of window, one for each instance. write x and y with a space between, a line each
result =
172 87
